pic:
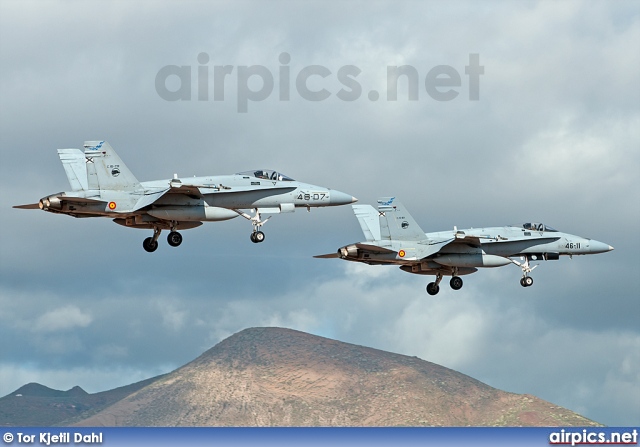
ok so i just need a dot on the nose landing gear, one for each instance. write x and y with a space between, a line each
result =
257 236
526 280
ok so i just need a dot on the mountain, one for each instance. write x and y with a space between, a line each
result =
37 405
282 377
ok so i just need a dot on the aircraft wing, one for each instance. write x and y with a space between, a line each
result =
462 238
198 191
174 188
177 187
195 192
279 190
434 246
476 241
148 199
188 190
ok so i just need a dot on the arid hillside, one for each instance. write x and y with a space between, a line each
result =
282 377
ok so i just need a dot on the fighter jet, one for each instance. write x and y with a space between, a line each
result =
102 186
393 237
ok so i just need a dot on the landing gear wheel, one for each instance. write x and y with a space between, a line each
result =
150 245
433 288
526 281
456 283
257 237
174 239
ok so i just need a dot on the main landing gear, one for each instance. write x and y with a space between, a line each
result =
150 244
456 283
174 239
434 287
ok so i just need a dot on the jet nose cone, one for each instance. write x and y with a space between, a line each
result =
599 247
340 198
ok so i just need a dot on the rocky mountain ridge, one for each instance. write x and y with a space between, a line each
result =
283 377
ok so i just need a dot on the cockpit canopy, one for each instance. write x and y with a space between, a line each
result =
267 174
537 227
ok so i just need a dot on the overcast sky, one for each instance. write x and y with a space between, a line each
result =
553 137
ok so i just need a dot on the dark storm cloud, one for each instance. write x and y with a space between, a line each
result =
554 137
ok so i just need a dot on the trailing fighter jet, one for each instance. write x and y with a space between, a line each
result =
394 237
102 186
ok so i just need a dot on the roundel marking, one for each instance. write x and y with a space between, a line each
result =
401 253
112 205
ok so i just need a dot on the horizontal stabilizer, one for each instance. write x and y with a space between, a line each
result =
328 256
31 206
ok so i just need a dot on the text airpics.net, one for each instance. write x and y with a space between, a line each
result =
256 82
590 437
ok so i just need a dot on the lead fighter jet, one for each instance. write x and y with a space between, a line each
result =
102 186
394 237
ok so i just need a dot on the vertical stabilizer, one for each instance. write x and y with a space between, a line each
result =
368 219
396 223
106 169
74 165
